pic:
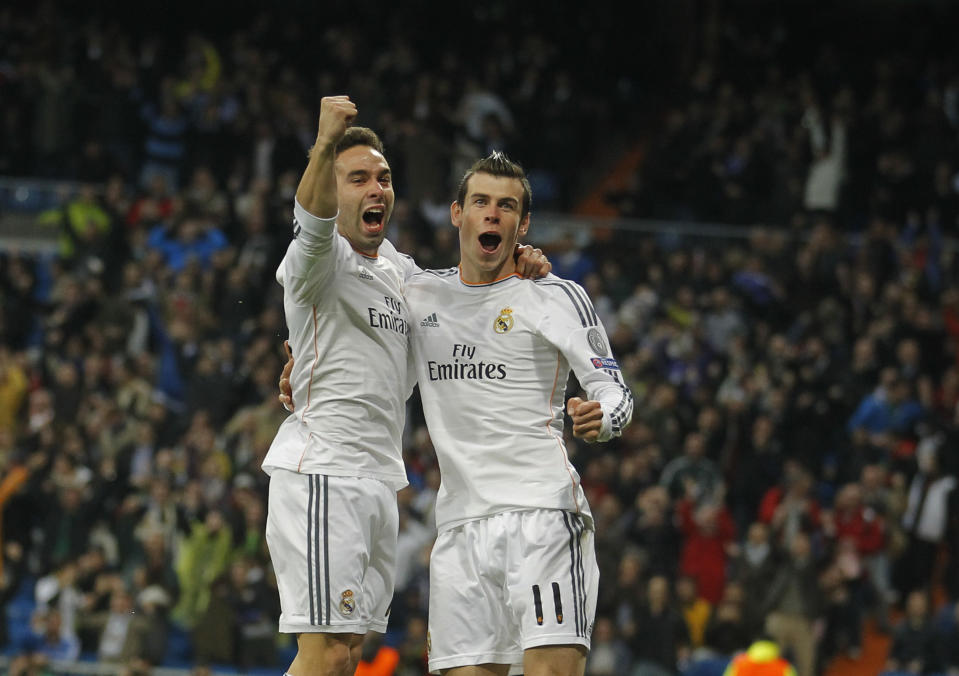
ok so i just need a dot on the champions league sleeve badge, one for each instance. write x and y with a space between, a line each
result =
595 340
504 322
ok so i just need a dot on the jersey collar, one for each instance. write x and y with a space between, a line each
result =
479 284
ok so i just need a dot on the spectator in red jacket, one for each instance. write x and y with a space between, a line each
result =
708 537
852 521
850 518
790 506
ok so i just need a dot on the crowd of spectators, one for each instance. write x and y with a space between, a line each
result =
792 464
771 122
158 92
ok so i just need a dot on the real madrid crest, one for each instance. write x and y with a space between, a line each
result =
504 322
347 602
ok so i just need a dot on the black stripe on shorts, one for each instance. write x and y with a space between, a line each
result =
537 605
326 542
557 603
574 577
582 573
309 548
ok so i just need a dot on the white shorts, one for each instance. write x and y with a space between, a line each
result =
333 544
509 582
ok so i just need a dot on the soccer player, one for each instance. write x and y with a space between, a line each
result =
513 574
336 463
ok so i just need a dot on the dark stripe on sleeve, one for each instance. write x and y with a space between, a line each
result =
623 410
619 414
587 303
572 299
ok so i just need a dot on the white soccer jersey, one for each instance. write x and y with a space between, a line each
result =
492 363
349 333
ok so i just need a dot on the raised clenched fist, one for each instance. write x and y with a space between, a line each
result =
336 115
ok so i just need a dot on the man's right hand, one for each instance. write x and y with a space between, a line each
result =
587 418
336 115
316 191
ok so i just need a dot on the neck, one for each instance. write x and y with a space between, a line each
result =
370 250
473 274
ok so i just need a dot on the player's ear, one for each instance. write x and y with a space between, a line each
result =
456 214
524 226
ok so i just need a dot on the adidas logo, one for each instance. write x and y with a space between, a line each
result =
430 321
364 273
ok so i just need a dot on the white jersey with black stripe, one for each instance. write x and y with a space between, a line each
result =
492 363
349 333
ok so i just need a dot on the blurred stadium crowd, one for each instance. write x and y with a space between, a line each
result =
793 460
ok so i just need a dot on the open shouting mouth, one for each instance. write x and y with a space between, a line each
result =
490 241
374 217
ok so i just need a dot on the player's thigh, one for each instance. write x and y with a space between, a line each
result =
469 620
555 660
553 578
289 536
325 535
380 579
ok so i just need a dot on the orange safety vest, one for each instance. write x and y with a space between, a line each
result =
10 484
762 659
384 664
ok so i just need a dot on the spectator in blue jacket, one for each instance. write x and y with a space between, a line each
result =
191 238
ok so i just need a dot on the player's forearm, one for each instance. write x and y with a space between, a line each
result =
317 190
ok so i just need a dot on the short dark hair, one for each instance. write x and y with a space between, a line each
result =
498 164
359 136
